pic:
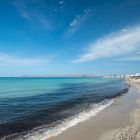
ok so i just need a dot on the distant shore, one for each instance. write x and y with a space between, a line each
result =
120 121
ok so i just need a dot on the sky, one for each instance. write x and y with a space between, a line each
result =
60 37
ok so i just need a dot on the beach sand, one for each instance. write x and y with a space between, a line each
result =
132 130
120 121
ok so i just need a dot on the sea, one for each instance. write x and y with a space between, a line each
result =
39 108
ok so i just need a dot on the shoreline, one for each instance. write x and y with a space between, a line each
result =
132 130
111 123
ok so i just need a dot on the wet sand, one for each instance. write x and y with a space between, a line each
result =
120 121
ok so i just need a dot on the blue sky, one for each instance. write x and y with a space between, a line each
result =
47 37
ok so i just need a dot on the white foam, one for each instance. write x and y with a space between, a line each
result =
44 134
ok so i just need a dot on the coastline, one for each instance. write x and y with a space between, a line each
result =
119 121
132 130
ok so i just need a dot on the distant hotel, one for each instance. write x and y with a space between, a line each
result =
123 76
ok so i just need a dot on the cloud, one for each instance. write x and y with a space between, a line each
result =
33 14
130 58
77 22
61 2
13 60
116 44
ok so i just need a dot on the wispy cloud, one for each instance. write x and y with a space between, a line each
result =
32 15
6 59
77 22
130 58
116 44
61 2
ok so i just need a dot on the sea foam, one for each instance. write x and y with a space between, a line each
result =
45 133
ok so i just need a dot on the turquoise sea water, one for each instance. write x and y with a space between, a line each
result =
23 87
34 106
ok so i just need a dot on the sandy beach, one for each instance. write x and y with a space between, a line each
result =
120 121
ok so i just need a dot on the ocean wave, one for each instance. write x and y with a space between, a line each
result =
45 133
